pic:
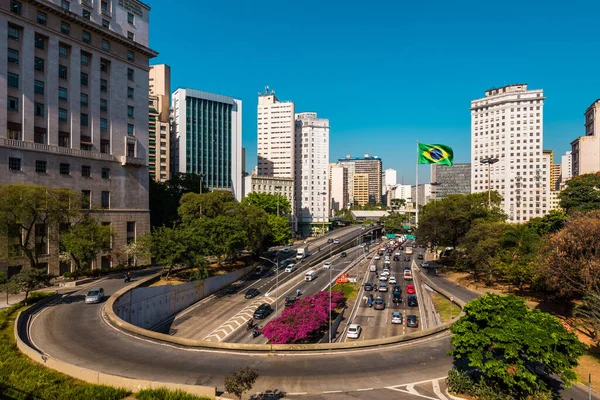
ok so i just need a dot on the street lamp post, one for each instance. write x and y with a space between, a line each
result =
489 161
276 280
324 211
278 188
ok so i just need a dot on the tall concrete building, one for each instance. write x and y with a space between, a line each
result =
74 108
276 135
555 171
338 186
389 177
206 138
425 193
311 172
585 150
361 189
370 165
566 171
159 131
507 124
450 180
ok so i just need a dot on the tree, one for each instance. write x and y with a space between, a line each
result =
270 203
223 236
589 310
279 230
165 197
581 194
549 223
29 279
84 240
7 287
194 206
237 383
397 203
394 222
30 213
520 242
482 248
171 247
255 222
512 346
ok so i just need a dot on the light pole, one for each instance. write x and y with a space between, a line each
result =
278 188
324 211
330 293
276 280
489 161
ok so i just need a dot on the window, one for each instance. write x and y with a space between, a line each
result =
130 92
62 72
13 80
62 93
86 199
14 163
130 74
104 146
40 166
129 35
130 18
104 6
103 65
13 103
104 199
130 129
38 64
86 14
15 6
83 99
40 42
84 119
105 23
13 56
130 55
65 27
105 173
105 45
41 18
65 169
13 32
85 58
130 231
63 50
14 134
103 105
86 37
86 171
65 5
83 78
130 111
38 109
103 85
103 124
62 114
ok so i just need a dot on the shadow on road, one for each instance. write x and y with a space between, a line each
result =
268 395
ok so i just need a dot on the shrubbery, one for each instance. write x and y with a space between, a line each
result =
304 320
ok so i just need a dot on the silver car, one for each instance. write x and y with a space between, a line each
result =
94 296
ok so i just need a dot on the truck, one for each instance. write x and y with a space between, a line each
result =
302 252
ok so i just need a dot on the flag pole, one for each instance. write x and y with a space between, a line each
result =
417 189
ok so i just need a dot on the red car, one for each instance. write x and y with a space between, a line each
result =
410 289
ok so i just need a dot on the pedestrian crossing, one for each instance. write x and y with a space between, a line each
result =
239 319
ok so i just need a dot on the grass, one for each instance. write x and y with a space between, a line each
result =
22 378
350 290
443 307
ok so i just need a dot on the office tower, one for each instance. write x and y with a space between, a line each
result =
276 130
555 171
361 189
370 165
159 124
311 172
507 125
74 109
338 186
425 193
566 170
206 138
450 180
389 177
585 150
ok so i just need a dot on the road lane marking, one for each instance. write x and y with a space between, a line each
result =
414 393
364 390
436 389
297 393
332 391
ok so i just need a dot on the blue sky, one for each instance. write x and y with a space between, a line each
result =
387 73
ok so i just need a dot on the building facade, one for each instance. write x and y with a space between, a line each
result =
566 170
338 187
585 150
370 165
311 172
361 189
507 124
159 126
74 108
555 200
425 194
283 187
206 138
450 180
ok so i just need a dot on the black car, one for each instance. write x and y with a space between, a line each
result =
368 287
396 258
412 301
407 258
407 267
252 293
290 301
343 254
397 297
262 311
379 304
330 240
420 256
412 321
401 248
398 287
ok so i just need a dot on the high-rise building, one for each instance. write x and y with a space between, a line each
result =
370 165
338 186
74 108
206 138
585 150
276 132
555 171
361 188
507 125
159 126
450 180
311 172
389 177
566 168
425 194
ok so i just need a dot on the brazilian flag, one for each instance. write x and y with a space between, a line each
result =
435 154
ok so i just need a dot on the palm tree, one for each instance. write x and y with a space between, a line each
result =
398 203
520 241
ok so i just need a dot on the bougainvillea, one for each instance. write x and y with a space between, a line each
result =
304 319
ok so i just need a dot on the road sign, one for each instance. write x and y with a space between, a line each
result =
452 298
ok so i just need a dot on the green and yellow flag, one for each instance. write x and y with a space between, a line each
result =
435 154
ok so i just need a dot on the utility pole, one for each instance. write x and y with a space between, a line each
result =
489 161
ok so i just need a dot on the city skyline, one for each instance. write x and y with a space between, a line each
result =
386 94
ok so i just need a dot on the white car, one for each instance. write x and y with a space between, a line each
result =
327 265
354 331
397 253
290 268
377 257
407 275
386 271
383 277
425 264
396 317
336 241
392 280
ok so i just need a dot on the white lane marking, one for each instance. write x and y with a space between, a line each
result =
245 314
414 394
411 389
437 391
297 393
364 390
332 391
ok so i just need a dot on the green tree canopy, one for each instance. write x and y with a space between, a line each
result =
280 233
84 240
172 247
255 222
549 223
510 344
581 194
394 222
212 204
270 203
482 248
29 279
397 203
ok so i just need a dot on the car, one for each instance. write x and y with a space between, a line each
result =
343 254
396 258
407 275
386 271
363 227
290 301
398 287
94 296
407 259
387 262
401 248
252 293
397 297
290 268
420 256
354 331
412 301
329 240
327 264
383 277
425 264
231 289
383 287
379 304
412 321
397 253
286 250
336 241
368 287
410 289
392 280
407 268
396 317
263 311
377 257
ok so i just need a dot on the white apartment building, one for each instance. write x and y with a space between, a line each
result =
276 130
507 124
74 108
585 150
206 138
566 168
389 177
312 172
338 186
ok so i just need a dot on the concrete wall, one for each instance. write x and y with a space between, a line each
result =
148 306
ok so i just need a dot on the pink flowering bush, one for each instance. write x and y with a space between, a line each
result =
301 322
